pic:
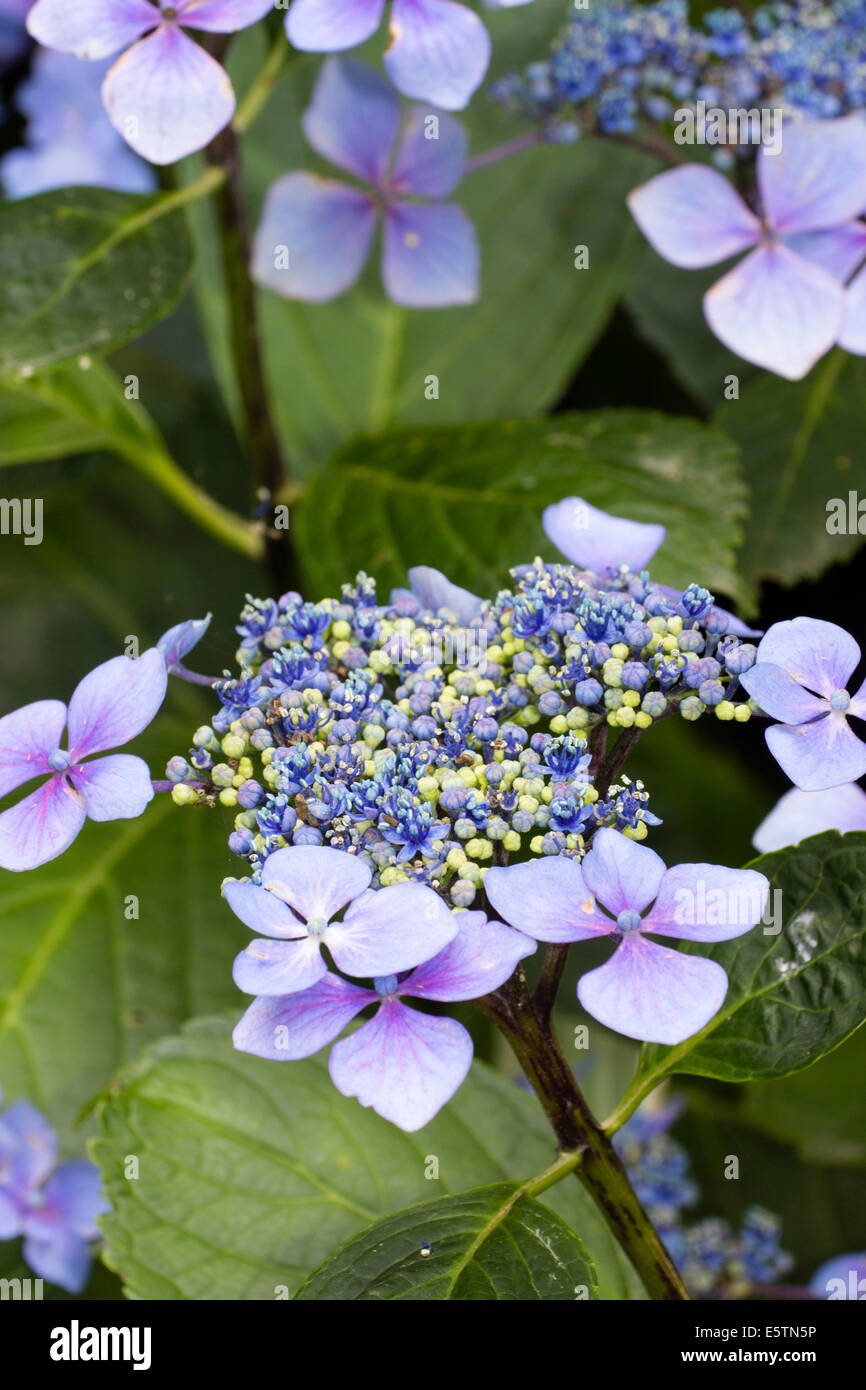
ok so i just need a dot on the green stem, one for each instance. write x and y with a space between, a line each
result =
577 1131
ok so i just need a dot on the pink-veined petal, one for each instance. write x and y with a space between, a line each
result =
91 28
221 16
439 51
818 178
595 540
353 119
798 814
693 216
707 902
115 702
313 238
623 875
818 654
287 1028
315 880
781 695
548 899
279 967
838 249
389 930
118 787
431 157
328 26
777 310
403 1063
653 993
430 256
482 956
263 911
167 97
818 756
73 1193
40 827
27 738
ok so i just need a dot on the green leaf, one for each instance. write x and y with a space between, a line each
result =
666 305
492 1243
802 444
82 984
85 269
362 364
794 996
251 1172
469 500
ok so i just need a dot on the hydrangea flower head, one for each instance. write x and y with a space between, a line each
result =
53 1208
800 678
784 305
165 94
109 707
439 50
430 253
302 890
645 991
404 1063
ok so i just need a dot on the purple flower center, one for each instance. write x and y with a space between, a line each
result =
59 760
385 985
317 926
840 700
169 12
629 920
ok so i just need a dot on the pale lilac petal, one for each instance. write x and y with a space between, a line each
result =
222 16
820 755
61 1258
114 788
404 1064
693 216
797 815
115 702
180 639
777 310
41 826
327 26
430 256
27 737
279 967
482 956
313 238
818 654
90 28
28 1146
434 590
12 1214
431 157
838 249
849 1271
353 119
623 875
167 97
439 51
389 930
595 540
853 335
73 1192
316 880
781 695
548 899
653 993
263 911
858 703
285 1029
707 902
818 178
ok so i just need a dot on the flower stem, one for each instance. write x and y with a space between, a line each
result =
493 156
600 1170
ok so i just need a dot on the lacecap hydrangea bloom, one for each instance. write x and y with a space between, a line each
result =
439 51
785 304
165 95
54 1207
109 707
315 234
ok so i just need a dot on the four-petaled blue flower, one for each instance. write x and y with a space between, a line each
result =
315 234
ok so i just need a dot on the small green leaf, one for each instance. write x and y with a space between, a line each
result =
251 1173
802 444
794 996
490 1244
85 269
469 500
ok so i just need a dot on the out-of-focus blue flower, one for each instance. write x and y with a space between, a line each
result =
53 1207
70 140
